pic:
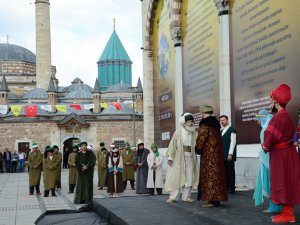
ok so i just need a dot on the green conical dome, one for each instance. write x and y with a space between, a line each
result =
114 65
114 49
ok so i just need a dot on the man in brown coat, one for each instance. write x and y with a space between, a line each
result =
213 188
35 161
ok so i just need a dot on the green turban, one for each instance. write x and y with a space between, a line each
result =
155 146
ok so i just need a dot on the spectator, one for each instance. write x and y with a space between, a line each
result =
22 157
1 162
7 160
14 161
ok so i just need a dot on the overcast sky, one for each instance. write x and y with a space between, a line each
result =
80 30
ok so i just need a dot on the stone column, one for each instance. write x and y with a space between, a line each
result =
97 102
43 43
148 103
224 69
176 36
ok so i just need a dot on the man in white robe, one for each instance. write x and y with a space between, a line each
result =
183 170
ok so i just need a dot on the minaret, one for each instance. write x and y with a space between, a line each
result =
97 97
43 43
52 92
4 92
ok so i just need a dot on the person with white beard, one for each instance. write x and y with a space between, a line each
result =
183 170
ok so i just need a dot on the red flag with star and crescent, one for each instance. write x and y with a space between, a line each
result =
31 110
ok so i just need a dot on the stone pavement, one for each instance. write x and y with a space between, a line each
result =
19 208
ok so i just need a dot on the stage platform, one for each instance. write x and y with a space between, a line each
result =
153 210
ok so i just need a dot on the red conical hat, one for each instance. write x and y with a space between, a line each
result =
281 94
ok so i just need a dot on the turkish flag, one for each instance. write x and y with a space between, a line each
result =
31 110
118 106
75 106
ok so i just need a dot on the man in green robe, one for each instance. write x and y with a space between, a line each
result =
35 160
85 163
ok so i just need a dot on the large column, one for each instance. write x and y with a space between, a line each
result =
224 71
148 104
43 43
176 36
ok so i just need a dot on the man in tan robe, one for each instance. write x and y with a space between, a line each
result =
183 170
128 165
102 165
58 169
35 160
72 168
51 163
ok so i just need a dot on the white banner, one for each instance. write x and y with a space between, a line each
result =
88 106
3 109
46 108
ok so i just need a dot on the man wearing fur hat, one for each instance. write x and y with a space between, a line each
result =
284 160
141 168
183 171
213 187
35 161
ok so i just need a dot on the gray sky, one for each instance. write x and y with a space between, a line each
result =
80 30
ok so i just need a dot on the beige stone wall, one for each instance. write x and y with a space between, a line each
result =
49 133
15 67
39 133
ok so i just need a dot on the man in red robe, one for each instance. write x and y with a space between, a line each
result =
284 160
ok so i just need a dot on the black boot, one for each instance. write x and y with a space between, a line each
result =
46 193
132 184
53 192
58 185
31 190
37 188
72 188
124 184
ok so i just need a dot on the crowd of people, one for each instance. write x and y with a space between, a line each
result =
12 161
214 141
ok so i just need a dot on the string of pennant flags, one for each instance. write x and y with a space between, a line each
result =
32 110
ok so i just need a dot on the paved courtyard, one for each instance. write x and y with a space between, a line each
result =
18 208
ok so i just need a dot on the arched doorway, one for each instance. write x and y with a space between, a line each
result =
67 149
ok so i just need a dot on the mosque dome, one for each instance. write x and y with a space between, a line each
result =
37 93
79 94
78 84
121 87
10 52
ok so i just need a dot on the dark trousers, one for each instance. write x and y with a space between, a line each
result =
158 191
1 166
14 166
230 176
131 184
7 166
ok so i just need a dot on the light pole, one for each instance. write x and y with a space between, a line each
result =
133 118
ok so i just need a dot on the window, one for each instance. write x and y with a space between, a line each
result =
119 143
